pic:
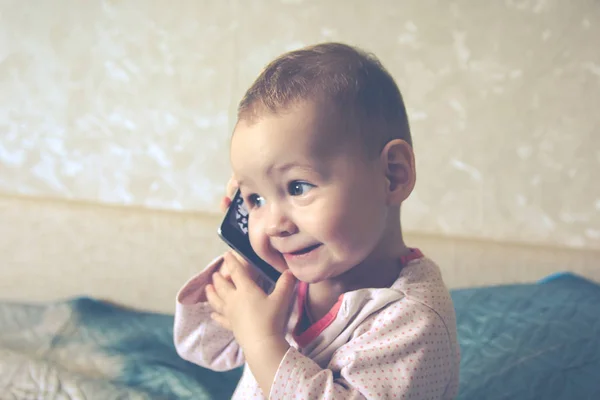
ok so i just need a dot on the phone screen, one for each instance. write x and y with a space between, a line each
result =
234 232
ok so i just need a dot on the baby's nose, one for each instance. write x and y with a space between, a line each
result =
280 224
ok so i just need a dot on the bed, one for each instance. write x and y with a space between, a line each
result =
529 341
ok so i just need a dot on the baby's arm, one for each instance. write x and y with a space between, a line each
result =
405 351
198 338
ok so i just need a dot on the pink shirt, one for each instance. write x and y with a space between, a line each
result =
387 343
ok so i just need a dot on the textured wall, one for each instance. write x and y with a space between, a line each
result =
132 102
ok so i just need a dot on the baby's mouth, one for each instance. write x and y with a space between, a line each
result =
305 250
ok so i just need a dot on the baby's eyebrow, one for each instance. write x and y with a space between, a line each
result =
287 166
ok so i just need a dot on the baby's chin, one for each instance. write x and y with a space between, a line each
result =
310 275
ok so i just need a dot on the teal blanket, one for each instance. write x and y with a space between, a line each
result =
87 349
538 341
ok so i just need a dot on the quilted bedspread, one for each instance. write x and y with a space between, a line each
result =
86 349
537 341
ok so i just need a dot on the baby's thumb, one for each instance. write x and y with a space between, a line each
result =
284 289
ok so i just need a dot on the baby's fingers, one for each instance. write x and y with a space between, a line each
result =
225 203
214 300
232 187
221 320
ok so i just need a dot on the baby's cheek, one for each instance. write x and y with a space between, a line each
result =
338 226
260 245
257 243
347 233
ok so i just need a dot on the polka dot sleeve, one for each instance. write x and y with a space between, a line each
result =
197 337
402 352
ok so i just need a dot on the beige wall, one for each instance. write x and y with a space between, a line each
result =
131 103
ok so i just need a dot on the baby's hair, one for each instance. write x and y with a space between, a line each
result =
353 81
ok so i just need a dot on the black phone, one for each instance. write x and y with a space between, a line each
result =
234 232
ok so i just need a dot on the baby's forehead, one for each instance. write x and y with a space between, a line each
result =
310 148
274 147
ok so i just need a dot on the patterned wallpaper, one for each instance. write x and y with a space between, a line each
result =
132 102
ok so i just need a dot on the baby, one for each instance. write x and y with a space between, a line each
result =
323 157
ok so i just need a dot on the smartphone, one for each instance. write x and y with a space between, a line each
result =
234 232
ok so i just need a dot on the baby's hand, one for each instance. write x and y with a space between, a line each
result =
244 308
232 187
226 267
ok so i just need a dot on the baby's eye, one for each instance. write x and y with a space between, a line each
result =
255 200
297 188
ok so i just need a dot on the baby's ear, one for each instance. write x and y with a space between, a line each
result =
398 160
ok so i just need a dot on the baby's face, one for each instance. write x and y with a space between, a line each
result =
317 204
